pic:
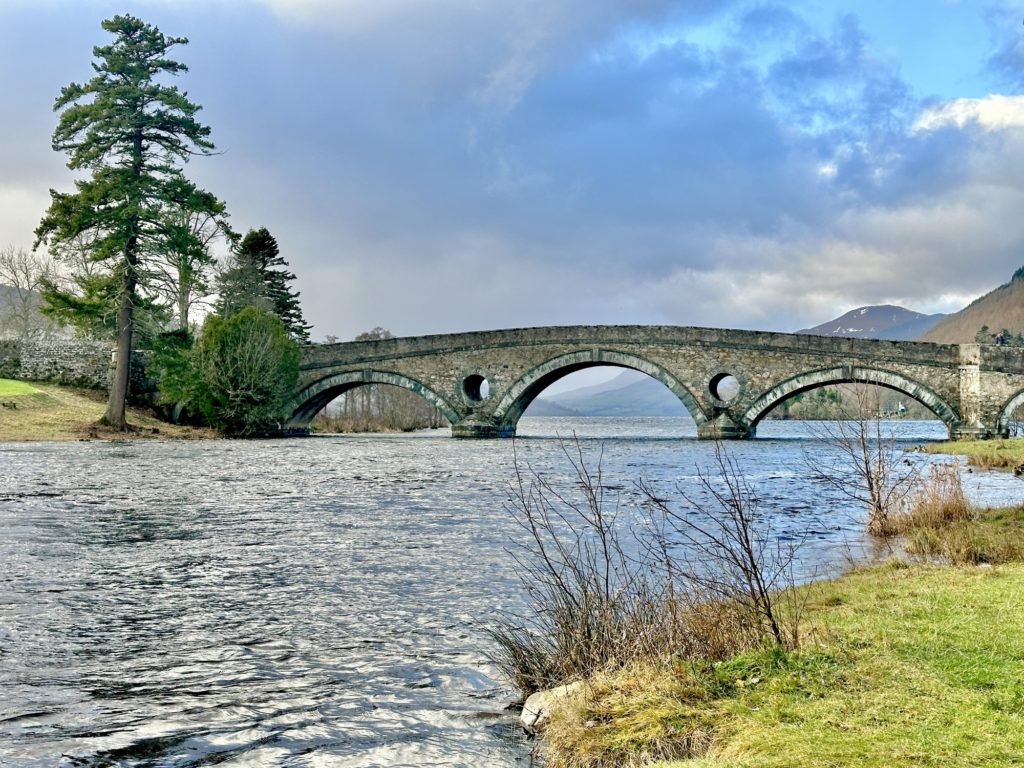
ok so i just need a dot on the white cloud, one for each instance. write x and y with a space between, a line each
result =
994 112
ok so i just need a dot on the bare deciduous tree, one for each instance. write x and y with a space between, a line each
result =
22 277
182 275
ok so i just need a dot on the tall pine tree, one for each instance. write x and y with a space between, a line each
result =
259 277
132 133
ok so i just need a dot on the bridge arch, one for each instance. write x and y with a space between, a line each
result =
313 398
1006 413
849 375
527 387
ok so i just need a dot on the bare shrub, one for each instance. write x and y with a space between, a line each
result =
601 596
729 557
592 603
869 466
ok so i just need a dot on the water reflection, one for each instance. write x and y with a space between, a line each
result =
307 602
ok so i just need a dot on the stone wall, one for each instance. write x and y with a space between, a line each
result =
10 359
75 362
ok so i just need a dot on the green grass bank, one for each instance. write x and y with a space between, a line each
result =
985 454
36 411
900 664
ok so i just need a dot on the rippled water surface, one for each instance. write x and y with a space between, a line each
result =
310 602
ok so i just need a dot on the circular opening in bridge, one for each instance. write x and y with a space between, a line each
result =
724 387
476 387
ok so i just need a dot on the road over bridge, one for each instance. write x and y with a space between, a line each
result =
484 381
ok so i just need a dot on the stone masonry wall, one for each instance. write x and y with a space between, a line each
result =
67 361
76 362
10 359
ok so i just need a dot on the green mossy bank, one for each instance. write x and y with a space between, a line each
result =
901 665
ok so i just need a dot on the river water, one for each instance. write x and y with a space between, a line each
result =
320 601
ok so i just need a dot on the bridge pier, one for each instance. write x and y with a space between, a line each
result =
723 427
481 430
975 431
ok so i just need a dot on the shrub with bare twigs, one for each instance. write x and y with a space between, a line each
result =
603 593
868 465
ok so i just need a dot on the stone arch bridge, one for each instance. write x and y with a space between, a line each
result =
484 381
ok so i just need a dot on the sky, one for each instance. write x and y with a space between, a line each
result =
435 166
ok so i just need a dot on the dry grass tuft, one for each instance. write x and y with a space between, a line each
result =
937 501
993 537
631 717
994 460
940 522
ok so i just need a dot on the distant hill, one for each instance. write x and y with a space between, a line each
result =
998 309
544 407
631 393
885 321
7 294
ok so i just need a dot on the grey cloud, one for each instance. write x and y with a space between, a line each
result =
464 166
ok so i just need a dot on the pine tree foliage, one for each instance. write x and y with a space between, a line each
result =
131 133
258 276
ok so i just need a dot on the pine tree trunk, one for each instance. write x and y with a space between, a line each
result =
184 291
115 415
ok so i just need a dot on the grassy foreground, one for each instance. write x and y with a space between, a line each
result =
986 454
902 665
35 411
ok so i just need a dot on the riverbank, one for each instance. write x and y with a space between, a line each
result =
37 411
985 454
904 663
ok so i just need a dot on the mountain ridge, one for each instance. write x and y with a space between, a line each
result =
1001 308
631 393
877 321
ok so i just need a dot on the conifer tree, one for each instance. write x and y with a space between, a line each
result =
259 277
132 133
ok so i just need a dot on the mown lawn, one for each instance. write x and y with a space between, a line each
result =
10 387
